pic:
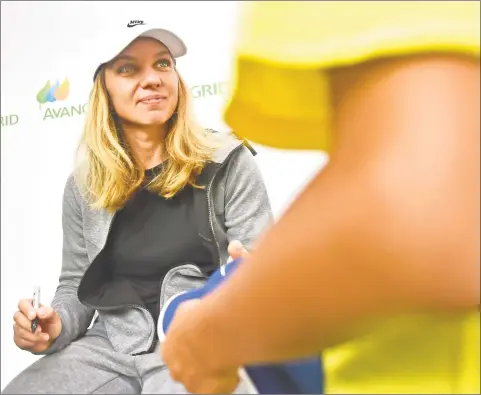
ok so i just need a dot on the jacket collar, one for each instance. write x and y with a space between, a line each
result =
228 142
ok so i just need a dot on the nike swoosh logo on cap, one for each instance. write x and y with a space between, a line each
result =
135 23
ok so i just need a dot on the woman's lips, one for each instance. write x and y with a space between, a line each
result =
152 99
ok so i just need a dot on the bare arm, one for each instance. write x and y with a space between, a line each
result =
391 225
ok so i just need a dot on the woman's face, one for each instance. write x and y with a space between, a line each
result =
143 84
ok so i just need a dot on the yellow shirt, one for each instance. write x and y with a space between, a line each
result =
281 92
281 99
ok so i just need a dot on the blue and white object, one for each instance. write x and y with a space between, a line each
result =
296 377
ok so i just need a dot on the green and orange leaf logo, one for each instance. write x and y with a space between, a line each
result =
51 93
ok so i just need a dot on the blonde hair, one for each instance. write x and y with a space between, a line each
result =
107 173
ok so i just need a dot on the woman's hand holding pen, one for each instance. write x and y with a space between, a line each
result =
49 326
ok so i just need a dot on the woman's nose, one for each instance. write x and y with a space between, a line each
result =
150 78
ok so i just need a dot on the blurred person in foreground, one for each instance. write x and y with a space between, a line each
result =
376 264
149 212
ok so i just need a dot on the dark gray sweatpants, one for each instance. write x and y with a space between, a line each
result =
91 366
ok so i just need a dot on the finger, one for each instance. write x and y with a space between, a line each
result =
27 335
45 312
237 250
22 321
23 344
226 386
26 307
212 385
174 372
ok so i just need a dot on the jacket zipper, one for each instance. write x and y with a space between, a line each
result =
209 203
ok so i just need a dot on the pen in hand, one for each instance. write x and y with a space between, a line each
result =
35 304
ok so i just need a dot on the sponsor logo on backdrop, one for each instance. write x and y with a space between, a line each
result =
55 94
9 120
51 93
207 90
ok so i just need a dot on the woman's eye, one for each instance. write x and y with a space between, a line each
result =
125 69
163 63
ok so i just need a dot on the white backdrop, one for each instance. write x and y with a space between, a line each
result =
49 41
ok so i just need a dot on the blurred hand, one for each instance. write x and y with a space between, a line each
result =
237 250
188 359
48 329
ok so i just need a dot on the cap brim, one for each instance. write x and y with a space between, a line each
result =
174 44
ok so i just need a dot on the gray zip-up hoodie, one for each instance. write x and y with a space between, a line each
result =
233 206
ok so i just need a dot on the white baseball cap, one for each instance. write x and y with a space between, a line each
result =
129 31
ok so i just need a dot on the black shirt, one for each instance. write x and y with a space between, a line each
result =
151 235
